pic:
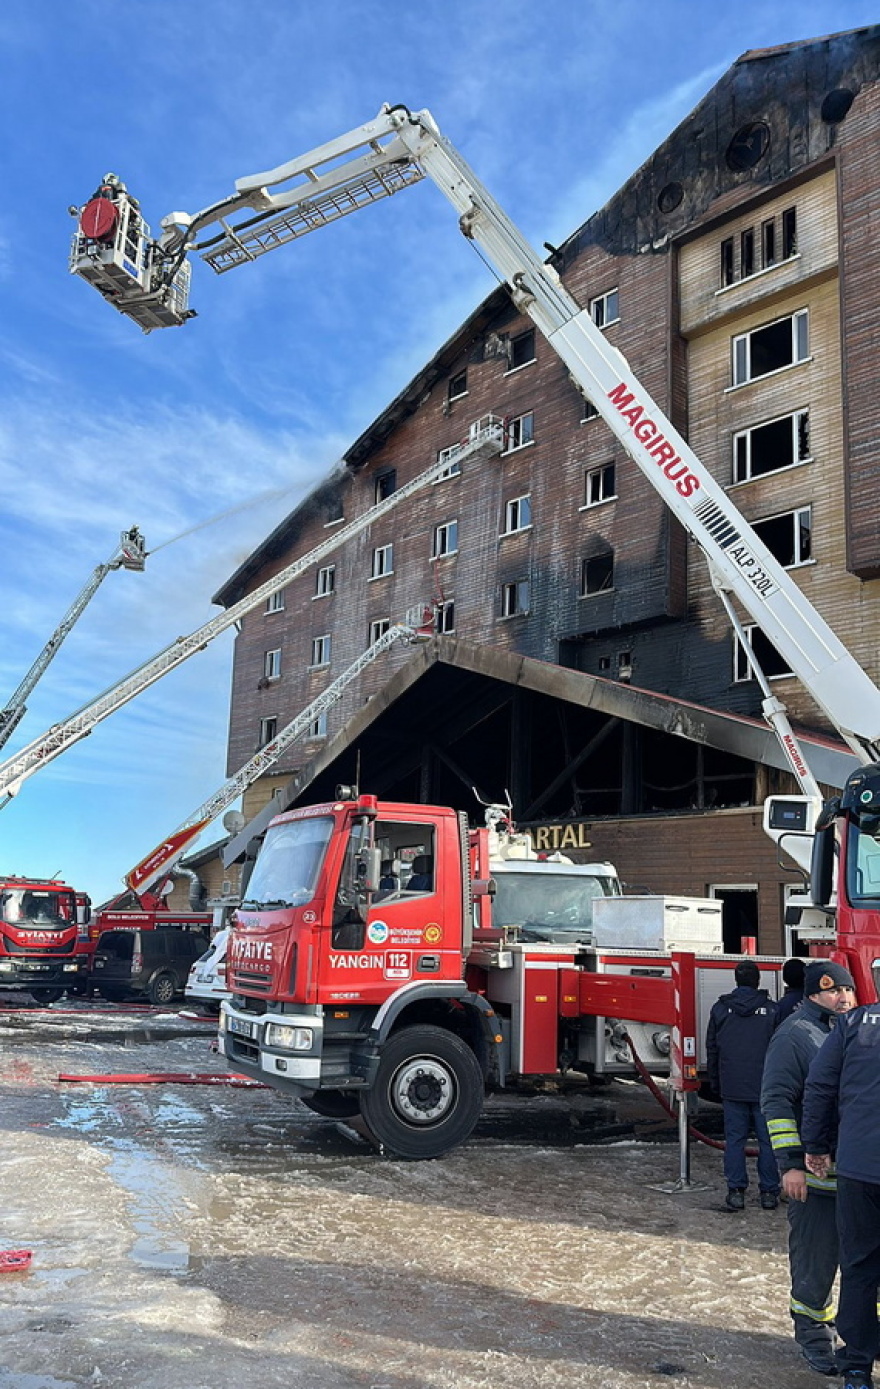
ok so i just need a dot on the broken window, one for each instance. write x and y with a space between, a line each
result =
727 276
747 253
386 484
766 448
515 598
268 730
772 664
789 233
318 727
768 244
599 485
522 349
788 536
597 574
444 619
771 348
457 385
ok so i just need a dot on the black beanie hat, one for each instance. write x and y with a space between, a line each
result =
826 974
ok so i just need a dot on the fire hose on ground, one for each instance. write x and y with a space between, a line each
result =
664 1103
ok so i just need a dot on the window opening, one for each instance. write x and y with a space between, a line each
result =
386 484
597 574
325 581
769 659
457 385
275 602
789 233
605 308
770 348
520 431
444 619
517 515
788 536
268 730
321 650
765 448
272 664
515 598
378 627
522 349
599 485
383 561
747 253
768 244
445 539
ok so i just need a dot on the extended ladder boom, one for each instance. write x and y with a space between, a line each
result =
161 861
129 554
397 149
486 439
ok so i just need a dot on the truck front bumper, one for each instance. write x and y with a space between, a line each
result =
19 973
281 1049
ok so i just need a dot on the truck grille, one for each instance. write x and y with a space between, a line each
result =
31 948
249 979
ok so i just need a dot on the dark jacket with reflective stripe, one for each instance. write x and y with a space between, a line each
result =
845 1077
741 1024
791 1052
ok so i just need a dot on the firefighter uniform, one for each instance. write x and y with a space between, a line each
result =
845 1080
812 1224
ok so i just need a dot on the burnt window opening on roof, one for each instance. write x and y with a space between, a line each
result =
777 243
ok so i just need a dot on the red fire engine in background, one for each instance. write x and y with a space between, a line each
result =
43 922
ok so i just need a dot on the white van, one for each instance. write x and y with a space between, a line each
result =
207 978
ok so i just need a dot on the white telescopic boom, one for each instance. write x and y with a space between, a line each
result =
487 440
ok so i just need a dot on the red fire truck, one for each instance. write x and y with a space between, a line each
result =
41 926
388 962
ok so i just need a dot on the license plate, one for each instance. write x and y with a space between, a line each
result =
242 1027
34 969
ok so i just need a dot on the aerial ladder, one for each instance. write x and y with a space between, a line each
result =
485 439
129 554
380 158
148 878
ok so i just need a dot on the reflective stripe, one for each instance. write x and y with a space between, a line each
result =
822 1183
782 1126
784 1140
824 1314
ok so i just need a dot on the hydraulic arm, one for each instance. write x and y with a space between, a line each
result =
392 152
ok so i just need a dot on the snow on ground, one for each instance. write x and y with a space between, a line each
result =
192 1237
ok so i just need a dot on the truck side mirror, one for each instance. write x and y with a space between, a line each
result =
822 866
368 871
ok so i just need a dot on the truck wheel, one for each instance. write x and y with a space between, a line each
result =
428 1093
333 1104
162 988
47 995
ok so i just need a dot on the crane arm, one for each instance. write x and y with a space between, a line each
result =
486 440
129 554
397 149
161 861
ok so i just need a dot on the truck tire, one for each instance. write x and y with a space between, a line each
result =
47 995
428 1093
333 1104
162 988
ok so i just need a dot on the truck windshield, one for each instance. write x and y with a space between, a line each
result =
288 864
32 907
557 907
863 860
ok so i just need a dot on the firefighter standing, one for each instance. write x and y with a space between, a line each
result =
812 1226
741 1024
844 1081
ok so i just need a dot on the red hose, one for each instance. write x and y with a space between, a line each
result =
662 1100
172 1077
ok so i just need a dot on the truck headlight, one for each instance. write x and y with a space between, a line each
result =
221 1022
289 1038
6 966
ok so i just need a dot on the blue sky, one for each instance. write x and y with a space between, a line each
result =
291 358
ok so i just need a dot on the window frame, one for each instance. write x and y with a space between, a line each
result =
271 665
317 728
510 429
384 485
322 647
586 561
325 581
794 513
512 593
599 308
797 318
513 509
797 417
451 393
740 660
266 735
443 626
600 471
275 601
453 468
444 530
381 568
523 337
377 628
